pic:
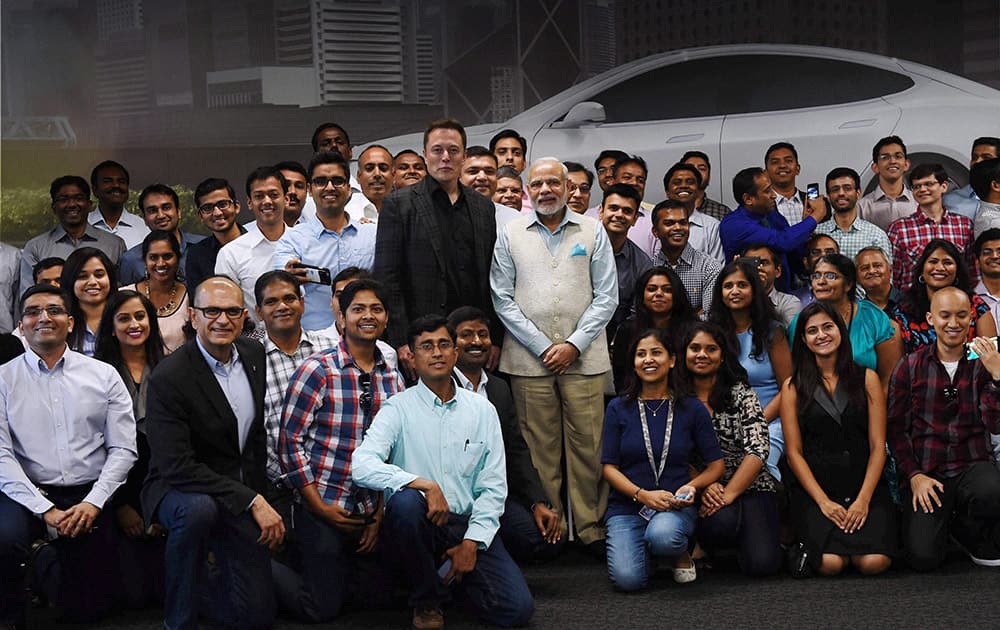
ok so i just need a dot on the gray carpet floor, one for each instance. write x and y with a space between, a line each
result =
573 592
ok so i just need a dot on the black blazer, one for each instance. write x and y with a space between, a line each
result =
192 432
523 484
410 260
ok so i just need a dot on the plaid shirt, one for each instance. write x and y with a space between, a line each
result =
714 209
697 271
280 367
911 234
323 421
936 425
860 235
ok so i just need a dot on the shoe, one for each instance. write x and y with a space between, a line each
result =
684 575
597 550
427 619
984 554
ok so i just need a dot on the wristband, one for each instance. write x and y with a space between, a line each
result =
635 497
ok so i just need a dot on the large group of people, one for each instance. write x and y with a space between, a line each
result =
440 365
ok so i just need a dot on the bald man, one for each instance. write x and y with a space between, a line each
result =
207 477
943 406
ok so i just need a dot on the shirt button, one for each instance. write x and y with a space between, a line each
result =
555 263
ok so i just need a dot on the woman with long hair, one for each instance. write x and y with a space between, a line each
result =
650 434
940 265
164 287
874 340
129 340
660 302
834 416
88 277
740 509
743 311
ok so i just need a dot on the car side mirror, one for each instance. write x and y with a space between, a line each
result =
581 113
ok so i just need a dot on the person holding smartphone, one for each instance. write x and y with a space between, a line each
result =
650 434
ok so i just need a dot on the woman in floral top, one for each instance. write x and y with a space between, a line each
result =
740 509
940 265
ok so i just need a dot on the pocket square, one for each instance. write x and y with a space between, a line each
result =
578 250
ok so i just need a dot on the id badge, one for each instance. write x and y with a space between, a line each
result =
647 512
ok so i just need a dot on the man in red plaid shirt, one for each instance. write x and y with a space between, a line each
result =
910 235
943 406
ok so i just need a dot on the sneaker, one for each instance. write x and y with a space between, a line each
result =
428 619
985 554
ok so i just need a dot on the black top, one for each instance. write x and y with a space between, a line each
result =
10 347
454 220
201 257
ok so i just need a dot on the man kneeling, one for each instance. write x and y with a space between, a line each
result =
437 452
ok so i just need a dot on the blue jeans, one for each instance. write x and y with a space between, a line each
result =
777 439
237 592
495 588
750 524
333 573
632 539
521 536
78 575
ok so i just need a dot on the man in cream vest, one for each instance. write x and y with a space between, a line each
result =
555 288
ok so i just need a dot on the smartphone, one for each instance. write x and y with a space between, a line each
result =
812 191
753 261
314 274
443 571
971 354
683 497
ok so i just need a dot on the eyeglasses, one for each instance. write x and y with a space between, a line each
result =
582 188
816 253
36 311
829 275
365 399
321 182
428 346
222 204
989 252
213 312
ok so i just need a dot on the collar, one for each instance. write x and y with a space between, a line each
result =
315 227
59 233
697 218
466 384
568 217
344 355
921 217
305 339
796 196
984 293
216 365
987 205
434 185
907 194
429 397
37 365
95 218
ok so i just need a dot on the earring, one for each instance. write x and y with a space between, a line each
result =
921 280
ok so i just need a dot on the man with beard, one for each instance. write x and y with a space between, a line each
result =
110 180
683 183
479 172
555 289
409 167
375 174
843 189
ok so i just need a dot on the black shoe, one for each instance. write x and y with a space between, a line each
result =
985 554
597 550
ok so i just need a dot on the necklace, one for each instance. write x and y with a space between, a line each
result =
658 407
169 307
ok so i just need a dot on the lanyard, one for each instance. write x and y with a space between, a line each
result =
657 471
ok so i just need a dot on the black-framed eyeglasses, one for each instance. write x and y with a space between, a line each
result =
221 204
36 311
321 182
365 399
212 312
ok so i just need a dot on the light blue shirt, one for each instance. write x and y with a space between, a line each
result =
456 444
232 378
963 201
130 228
313 244
603 274
67 426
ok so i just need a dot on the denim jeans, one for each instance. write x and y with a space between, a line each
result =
495 588
78 575
521 536
238 591
750 524
632 540
777 439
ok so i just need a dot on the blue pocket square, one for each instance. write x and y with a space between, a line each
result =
578 250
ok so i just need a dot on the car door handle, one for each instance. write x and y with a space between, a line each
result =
690 137
858 124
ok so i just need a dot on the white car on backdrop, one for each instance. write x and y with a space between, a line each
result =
732 102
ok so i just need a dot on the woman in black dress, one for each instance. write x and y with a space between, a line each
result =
833 415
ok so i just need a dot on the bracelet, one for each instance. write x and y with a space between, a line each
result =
635 497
